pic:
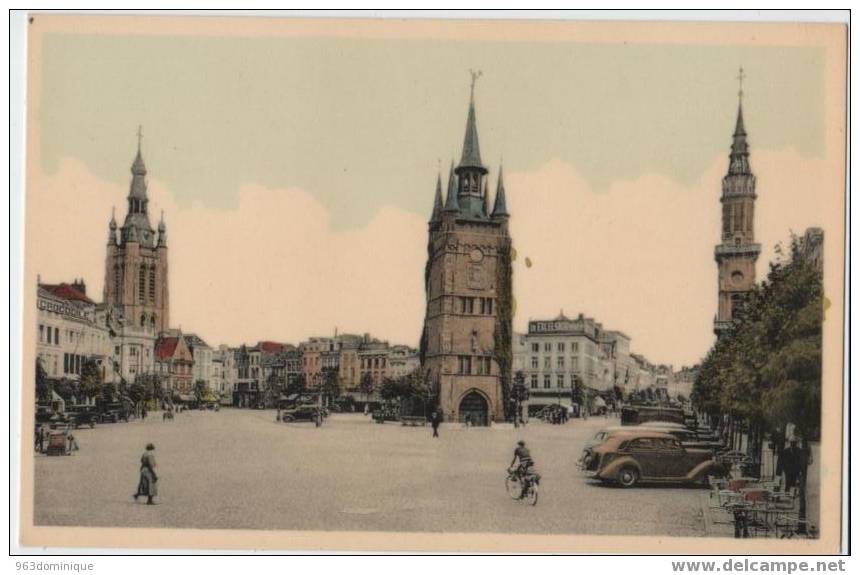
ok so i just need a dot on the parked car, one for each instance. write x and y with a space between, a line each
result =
82 415
687 437
637 414
651 457
305 412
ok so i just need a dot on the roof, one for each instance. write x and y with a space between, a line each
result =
67 292
194 340
166 347
270 346
471 157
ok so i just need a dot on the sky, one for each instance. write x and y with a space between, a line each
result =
296 175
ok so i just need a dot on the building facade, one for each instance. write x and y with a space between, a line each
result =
737 252
467 337
202 355
71 332
136 262
174 362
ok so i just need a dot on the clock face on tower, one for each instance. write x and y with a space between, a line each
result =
737 278
476 255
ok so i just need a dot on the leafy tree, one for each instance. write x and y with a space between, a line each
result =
92 379
200 390
108 391
296 384
366 385
43 386
330 387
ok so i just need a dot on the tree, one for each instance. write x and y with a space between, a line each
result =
91 379
43 386
108 391
330 387
137 393
200 390
296 384
578 395
366 385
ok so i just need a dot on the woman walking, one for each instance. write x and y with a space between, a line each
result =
148 485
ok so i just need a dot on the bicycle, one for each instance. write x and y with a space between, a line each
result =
522 486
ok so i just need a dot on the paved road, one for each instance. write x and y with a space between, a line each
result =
240 469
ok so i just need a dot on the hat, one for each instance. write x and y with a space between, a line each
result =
149 447
521 442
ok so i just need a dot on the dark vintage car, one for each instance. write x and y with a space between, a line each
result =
82 415
650 457
638 414
305 412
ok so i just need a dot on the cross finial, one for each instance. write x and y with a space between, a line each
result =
475 75
740 77
139 136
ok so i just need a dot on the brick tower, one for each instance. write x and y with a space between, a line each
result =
466 343
736 255
136 262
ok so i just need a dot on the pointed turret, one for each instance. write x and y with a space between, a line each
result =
437 200
137 218
739 157
451 203
112 227
500 208
471 157
162 232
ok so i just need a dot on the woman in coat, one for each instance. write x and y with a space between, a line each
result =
148 485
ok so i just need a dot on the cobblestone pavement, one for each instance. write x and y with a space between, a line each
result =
241 469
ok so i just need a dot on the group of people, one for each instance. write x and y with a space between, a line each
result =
793 462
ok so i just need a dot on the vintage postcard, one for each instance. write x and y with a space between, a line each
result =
460 285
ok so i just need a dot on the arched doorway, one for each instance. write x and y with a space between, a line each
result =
474 409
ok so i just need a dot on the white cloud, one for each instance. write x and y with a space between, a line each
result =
638 256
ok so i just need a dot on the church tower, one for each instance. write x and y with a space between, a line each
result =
467 338
736 255
136 262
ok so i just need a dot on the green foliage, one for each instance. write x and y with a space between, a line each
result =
503 333
43 386
92 380
767 369
366 384
199 389
330 386
297 384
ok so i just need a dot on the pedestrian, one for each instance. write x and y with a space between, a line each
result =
73 443
434 421
148 484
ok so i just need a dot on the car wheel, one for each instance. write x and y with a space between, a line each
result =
628 476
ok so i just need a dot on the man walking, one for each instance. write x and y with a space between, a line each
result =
434 421
148 484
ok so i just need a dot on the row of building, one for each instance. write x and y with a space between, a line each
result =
556 352
74 329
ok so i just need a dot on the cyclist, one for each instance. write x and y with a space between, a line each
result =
525 464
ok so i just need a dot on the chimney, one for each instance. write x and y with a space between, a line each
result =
80 285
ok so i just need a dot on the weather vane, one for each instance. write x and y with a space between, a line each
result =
139 136
740 78
475 75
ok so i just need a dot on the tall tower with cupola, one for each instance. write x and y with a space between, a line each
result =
136 262
466 342
737 253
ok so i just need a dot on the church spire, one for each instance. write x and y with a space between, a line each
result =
471 157
485 197
739 157
500 208
437 200
451 203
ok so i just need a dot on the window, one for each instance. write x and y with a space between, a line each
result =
561 346
66 363
465 366
547 362
41 333
559 380
560 362
574 363
152 284
574 347
142 320
117 281
547 347
546 381
534 382
535 347
141 285
534 362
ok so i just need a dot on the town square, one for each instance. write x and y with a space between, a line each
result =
263 304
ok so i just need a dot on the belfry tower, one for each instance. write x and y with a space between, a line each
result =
136 262
466 342
736 255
